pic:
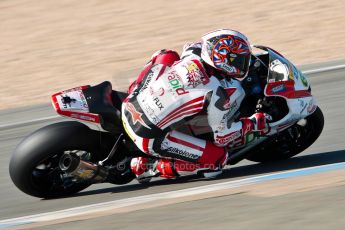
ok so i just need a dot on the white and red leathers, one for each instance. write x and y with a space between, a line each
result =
171 90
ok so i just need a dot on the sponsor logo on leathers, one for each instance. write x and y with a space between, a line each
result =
175 83
136 116
147 80
227 138
150 113
158 103
166 147
227 118
195 76
157 92
183 153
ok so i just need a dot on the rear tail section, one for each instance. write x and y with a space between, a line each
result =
96 106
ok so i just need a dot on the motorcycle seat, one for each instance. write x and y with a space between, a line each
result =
105 102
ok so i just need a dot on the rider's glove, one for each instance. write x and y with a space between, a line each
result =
258 122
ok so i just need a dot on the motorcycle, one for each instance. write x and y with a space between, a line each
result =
64 158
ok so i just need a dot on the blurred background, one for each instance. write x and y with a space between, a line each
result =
48 46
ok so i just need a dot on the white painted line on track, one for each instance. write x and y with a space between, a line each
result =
112 206
44 119
324 69
34 121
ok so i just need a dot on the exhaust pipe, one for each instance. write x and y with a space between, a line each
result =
82 170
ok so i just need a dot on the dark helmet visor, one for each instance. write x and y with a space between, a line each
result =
241 61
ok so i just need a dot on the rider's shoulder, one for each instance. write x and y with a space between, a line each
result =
192 73
191 49
192 45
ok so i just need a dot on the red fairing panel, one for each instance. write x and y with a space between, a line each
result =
76 107
285 89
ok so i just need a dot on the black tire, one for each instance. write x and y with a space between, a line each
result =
46 144
284 148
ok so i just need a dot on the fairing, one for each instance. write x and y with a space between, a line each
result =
287 81
72 104
98 106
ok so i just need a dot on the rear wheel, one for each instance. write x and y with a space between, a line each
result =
292 141
34 166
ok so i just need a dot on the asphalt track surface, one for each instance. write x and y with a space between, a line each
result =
321 208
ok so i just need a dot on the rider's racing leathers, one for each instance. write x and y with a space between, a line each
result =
171 91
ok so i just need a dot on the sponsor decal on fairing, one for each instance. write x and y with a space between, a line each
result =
304 80
311 107
279 88
72 100
82 117
294 73
303 105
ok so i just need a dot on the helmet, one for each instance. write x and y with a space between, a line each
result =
228 51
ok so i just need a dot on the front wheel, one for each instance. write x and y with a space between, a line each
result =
34 165
290 142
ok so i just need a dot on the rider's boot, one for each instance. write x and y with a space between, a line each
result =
144 168
210 164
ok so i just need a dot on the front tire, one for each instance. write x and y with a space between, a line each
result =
286 146
34 164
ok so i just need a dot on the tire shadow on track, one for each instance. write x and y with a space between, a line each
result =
298 162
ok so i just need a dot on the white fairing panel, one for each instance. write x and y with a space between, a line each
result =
77 103
287 81
299 108
72 104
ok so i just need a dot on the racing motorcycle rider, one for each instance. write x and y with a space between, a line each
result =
170 90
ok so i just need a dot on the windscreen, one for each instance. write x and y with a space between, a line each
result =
279 68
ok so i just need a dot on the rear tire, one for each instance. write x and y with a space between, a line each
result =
283 148
46 145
